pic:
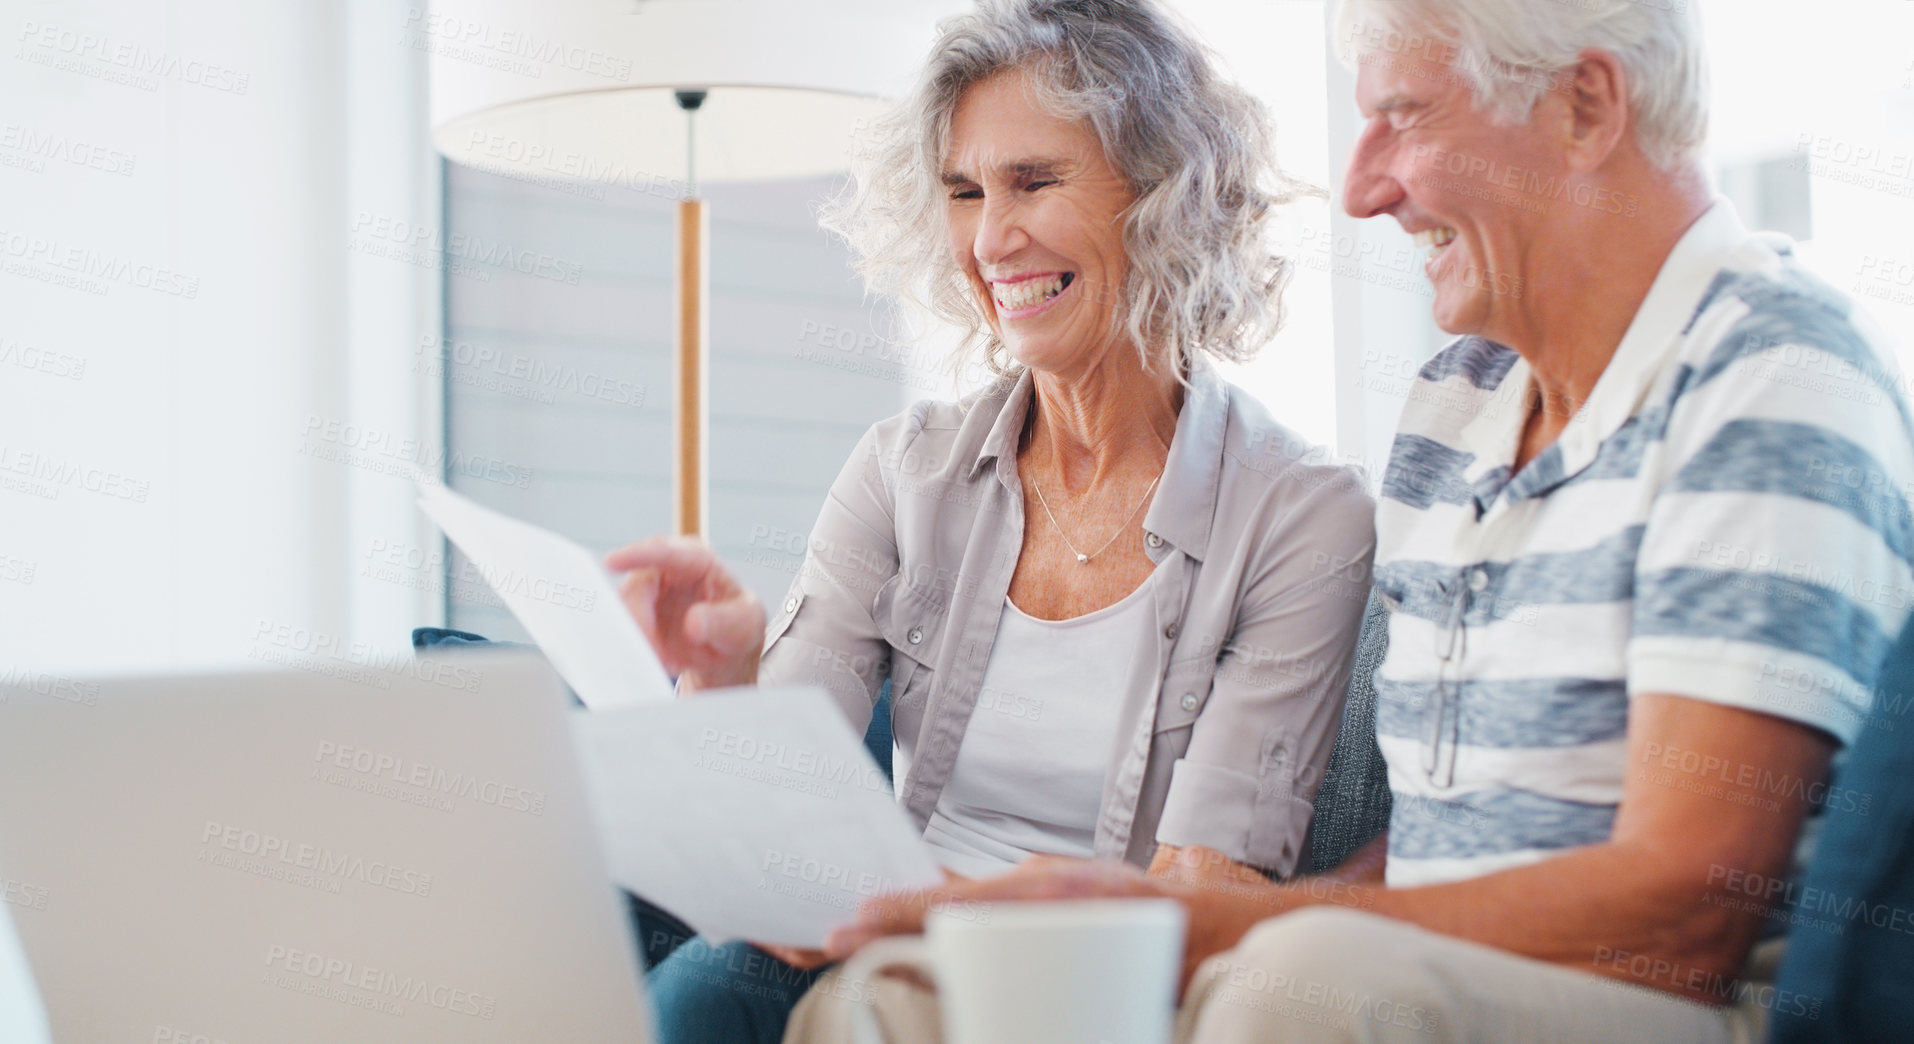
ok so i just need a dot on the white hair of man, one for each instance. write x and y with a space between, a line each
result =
1509 52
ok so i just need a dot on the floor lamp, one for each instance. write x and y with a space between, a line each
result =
673 94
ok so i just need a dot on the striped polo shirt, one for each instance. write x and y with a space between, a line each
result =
1726 519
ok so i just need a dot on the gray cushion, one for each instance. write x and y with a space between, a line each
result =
1352 806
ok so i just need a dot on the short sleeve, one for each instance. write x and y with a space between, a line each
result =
1774 568
822 632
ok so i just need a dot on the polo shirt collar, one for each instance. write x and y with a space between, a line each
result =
1184 505
1639 361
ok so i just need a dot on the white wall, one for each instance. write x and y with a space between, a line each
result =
219 223
178 305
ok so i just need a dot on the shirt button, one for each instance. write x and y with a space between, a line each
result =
1170 632
1189 701
916 635
1479 580
1153 540
790 605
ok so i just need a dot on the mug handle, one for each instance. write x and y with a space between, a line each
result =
898 951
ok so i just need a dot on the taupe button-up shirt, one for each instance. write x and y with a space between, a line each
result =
1263 556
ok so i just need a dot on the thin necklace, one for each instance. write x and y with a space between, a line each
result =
1081 557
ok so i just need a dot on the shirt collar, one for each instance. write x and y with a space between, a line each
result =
1007 431
1655 333
1184 507
1639 360
1184 504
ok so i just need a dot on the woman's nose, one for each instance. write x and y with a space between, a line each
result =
1000 232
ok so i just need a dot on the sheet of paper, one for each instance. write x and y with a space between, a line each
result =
749 813
562 595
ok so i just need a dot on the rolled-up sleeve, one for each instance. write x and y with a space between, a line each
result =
1247 784
822 632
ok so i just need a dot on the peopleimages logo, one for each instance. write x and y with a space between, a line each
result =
51 685
39 360
223 840
26 896
473 249
772 762
520 375
323 975
390 452
102 57
484 36
50 474
38 146
362 663
435 778
85 268
818 881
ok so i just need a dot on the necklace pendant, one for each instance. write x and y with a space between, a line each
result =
1082 558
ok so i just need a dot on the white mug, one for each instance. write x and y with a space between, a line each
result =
1093 971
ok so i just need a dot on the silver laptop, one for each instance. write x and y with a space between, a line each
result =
379 852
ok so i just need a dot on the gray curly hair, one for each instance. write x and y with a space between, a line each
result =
1195 150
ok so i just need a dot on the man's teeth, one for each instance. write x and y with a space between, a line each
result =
1435 237
1030 292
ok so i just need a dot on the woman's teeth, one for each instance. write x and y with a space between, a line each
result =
1030 293
1435 238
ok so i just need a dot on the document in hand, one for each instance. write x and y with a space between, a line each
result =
562 595
749 813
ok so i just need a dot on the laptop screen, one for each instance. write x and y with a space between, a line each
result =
398 852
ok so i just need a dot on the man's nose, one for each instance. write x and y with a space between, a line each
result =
1369 188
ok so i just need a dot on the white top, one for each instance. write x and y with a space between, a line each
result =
1725 520
1029 775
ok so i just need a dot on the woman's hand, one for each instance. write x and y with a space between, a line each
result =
705 627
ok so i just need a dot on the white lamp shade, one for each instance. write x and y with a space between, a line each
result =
583 88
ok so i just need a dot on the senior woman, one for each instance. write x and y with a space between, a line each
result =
1115 600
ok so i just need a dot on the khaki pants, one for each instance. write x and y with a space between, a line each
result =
1328 974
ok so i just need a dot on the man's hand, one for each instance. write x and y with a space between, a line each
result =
1217 894
795 956
1223 898
1036 878
1366 865
1199 867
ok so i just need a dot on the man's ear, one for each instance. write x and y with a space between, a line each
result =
1598 120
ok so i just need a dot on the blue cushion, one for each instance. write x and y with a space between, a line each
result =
427 637
1850 956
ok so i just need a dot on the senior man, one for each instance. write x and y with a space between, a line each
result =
1646 539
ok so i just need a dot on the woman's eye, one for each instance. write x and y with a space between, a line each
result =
967 193
1034 185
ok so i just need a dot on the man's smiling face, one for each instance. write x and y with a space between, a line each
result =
1428 158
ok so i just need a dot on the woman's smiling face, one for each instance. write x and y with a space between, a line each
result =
1035 219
